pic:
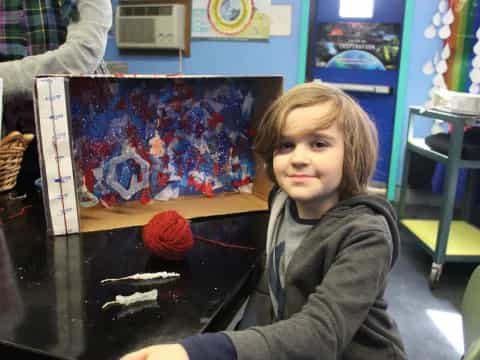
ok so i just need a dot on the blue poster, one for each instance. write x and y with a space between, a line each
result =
355 45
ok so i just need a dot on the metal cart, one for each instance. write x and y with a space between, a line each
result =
444 239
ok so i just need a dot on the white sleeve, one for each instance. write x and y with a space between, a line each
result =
82 51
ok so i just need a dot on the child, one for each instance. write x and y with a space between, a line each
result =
330 246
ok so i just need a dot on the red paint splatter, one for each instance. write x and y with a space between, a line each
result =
251 132
145 196
216 169
121 105
214 120
162 179
89 180
109 199
238 183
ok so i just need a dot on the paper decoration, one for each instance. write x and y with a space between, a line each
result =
444 32
446 52
239 19
430 32
440 26
475 73
448 18
474 89
476 48
441 67
476 62
428 68
443 6
438 81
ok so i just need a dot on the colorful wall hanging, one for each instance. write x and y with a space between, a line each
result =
456 66
233 19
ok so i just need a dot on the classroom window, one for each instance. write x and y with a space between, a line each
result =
356 8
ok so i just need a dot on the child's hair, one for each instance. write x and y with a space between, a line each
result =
359 132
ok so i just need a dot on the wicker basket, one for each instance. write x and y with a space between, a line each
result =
12 148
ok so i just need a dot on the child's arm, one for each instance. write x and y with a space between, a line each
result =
216 346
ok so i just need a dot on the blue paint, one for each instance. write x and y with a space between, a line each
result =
277 56
381 107
191 136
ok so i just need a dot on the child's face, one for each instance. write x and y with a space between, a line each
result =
308 162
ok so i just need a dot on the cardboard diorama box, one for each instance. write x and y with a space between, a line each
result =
116 150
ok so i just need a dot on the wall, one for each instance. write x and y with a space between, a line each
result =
421 50
279 55
417 85
413 86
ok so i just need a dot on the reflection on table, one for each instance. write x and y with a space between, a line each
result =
51 301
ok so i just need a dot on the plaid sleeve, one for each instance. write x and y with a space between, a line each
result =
31 27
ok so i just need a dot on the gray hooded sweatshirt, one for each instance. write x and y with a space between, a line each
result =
334 285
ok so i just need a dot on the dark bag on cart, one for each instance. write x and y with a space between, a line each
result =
471 143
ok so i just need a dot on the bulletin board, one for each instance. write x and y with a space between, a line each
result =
242 19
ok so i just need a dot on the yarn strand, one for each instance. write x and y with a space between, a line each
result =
222 244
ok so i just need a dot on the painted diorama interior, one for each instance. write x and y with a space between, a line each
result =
141 145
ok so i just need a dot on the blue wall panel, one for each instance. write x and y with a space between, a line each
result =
381 107
278 56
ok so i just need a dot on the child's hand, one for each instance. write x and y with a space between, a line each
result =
159 352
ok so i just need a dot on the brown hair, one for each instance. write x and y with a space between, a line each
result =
359 132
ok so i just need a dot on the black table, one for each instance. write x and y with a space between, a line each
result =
51 296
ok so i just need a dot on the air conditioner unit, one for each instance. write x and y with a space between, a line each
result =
150 26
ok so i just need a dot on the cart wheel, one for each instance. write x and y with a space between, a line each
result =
435 274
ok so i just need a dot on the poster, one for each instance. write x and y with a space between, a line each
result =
232 19
361 46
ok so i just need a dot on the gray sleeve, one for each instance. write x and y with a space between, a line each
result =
333 313
82 51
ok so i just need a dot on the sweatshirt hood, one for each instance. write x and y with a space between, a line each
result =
377 205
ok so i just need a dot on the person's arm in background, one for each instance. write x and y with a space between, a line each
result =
81 53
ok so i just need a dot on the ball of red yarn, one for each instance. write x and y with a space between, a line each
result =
168 235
